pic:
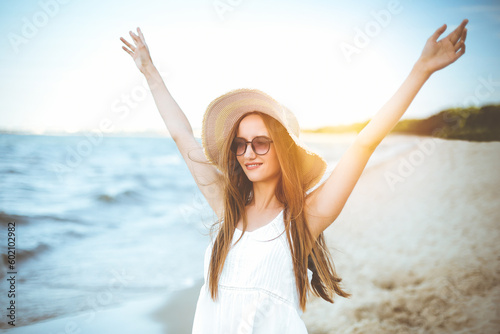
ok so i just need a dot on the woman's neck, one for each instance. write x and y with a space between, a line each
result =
264 196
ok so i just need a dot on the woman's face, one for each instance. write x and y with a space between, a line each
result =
258 168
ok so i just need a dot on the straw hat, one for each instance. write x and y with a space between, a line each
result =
225 111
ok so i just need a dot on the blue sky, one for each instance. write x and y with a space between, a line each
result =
62 67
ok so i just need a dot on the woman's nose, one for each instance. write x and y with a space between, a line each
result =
249 153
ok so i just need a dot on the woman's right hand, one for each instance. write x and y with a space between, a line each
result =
139 52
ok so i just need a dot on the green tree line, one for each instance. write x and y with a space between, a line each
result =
472 123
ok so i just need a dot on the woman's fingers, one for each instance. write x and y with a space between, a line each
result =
455 34
128 51
461 41
127 44
136 38
461 50
464 35
459 45
140 49
141 35
438 33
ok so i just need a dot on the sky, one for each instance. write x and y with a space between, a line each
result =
63 69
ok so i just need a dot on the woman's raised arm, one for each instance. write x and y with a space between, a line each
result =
325 203
172 115
206 175
435 56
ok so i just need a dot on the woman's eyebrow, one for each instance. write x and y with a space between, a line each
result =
252 138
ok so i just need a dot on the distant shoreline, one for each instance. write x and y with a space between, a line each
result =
473 124
83 133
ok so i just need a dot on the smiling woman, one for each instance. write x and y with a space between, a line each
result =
264 192
259 282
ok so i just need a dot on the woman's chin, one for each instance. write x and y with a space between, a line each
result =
254 176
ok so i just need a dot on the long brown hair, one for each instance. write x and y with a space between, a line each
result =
291 192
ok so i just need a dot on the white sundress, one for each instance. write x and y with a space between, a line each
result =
257 291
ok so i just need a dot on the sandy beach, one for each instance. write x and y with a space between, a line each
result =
416 245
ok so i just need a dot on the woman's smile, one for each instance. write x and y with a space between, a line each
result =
254 165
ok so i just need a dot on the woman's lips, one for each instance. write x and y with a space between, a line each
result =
253 166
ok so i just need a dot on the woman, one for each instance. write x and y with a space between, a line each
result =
269 250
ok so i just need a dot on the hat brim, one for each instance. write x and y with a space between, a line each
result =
225 111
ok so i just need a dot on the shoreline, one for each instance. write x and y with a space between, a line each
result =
177 313
172 314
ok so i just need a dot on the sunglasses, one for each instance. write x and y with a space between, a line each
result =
260 145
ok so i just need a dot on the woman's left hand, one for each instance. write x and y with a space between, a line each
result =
437 55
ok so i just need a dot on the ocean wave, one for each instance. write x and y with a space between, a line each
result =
29 219
119 197
26 254
22 255
6 218
12 171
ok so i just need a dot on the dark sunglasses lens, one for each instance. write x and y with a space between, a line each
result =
238 146
261 145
